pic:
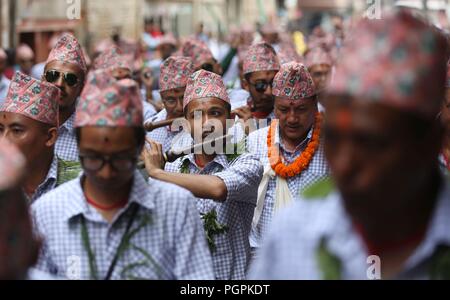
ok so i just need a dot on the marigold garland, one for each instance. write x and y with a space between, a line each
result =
303 161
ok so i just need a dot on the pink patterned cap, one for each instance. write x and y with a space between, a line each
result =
288 54
197 50
399 61
261 57
318 56
293 82
68 50
112 58
168 39
108 102
175 72
204 84
33 98
12 165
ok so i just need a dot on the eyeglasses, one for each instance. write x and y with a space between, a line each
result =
52 76
261 86
94 163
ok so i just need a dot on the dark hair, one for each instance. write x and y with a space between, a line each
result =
139 135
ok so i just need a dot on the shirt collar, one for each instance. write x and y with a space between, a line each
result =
438 232
219 159
50 179
68 125
140 194
299 146
339 231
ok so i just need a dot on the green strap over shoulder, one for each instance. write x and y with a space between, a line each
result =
318 190
67 170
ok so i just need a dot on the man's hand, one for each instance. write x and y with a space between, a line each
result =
153 157
243 113
147 78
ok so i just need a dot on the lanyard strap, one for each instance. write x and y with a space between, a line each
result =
119 250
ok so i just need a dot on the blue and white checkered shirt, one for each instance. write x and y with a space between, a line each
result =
162 135
49 182
290 248
66 145
317 170
241 177
169 241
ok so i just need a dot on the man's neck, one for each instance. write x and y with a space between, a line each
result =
203 159
401 223
290 144
37 173
65 114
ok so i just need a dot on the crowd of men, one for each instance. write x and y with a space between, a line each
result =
310 162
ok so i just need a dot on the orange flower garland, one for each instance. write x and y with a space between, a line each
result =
303 161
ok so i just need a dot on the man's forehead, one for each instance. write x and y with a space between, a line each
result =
16 118
205 104
261 75
63 67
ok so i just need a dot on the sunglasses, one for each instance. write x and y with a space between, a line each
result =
71 79
94 163
261 86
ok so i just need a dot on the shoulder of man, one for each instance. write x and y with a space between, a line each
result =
319 190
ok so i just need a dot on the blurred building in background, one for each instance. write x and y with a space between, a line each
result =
35 21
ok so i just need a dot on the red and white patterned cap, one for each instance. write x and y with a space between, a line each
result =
399 61
68 50
293 82
197 50
108 102
175 72
112 58
204 84
33 98
261 57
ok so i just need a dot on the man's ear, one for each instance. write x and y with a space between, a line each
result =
246 85
52 136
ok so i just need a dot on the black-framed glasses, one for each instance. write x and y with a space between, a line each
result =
52 76
94 163
261 86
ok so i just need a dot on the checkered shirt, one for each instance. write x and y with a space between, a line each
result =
290 248
162 135
49 182
66 145
317 170
242 177
170 234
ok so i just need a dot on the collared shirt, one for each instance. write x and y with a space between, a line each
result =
4 85
168 243
291 247
241 177
163 135
49 182
317 170
66 144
